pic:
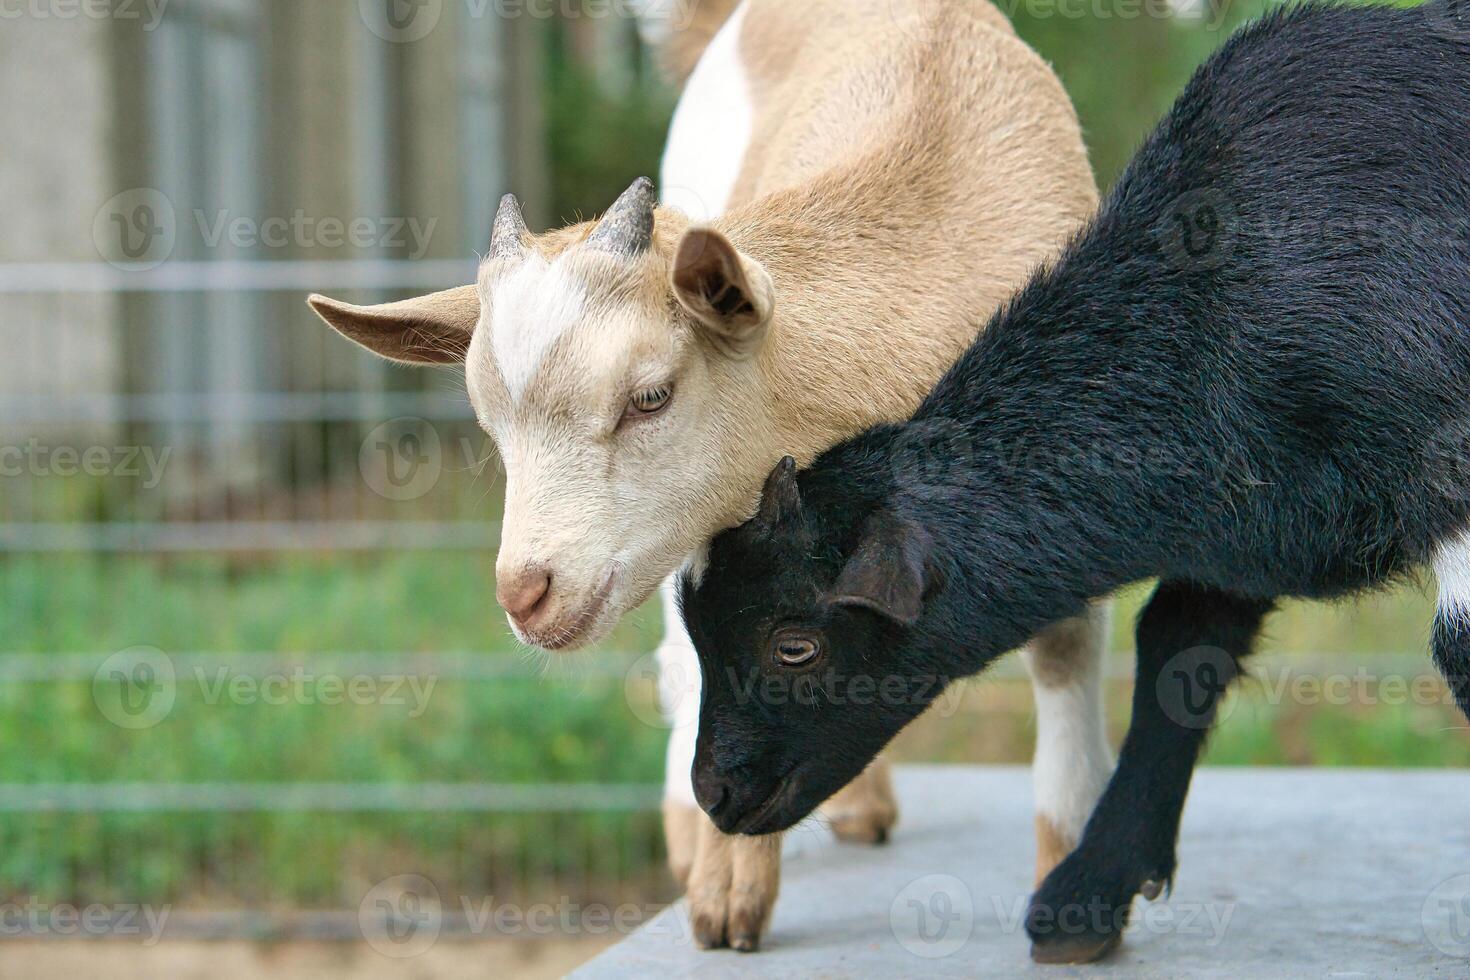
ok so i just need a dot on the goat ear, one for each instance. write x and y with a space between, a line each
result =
730 294
890 572
433 329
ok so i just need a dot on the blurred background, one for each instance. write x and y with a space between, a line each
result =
253 681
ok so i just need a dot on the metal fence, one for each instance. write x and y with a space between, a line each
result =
143 419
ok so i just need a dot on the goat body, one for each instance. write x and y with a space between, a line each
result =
1249 377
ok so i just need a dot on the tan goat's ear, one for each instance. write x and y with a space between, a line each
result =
729 293
433 329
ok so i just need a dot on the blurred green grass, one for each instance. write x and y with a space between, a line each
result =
562 722
557 722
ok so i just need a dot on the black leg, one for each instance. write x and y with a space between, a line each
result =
1191 640
1452 655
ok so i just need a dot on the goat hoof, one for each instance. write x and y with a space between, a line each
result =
1074 949
709 933
863 829
1151 889
732 889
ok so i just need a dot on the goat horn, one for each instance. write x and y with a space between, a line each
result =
627 228
781 497
508 239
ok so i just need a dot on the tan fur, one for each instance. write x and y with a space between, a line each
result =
693 33
1061 652
912 162
682 827
864 811
1051 847
733 888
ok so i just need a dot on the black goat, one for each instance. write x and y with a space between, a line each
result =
1249 377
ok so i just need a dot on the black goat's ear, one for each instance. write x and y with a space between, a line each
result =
781 497
890 572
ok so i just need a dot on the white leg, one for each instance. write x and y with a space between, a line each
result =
678 696
1073 759
732 881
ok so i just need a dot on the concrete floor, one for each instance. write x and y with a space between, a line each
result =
1282 873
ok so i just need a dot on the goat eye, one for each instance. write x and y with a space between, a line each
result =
794 651
649 401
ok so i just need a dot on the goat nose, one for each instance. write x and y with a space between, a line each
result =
711 792
521 595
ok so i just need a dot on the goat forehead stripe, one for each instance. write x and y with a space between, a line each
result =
1452 570
538 303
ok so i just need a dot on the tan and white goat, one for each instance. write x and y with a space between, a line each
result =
858 186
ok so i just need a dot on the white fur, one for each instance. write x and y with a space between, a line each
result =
678 694
711 130
1452 570
534 305
707 145
1073 760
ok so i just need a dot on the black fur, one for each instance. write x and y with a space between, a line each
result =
1248 378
